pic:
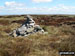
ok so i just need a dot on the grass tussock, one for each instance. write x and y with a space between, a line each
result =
58 39
4 22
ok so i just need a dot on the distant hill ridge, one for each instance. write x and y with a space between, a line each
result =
55 20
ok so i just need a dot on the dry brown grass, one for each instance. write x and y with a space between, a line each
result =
58 39
4 22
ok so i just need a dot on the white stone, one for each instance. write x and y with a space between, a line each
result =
29 27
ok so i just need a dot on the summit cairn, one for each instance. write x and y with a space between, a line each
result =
27 28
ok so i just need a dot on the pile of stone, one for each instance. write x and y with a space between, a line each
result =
29 27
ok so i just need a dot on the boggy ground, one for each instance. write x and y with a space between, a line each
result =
60 37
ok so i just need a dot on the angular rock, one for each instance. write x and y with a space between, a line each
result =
29 27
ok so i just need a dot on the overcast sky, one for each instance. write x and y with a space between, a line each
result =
11 7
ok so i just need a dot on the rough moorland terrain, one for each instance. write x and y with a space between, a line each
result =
60 37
